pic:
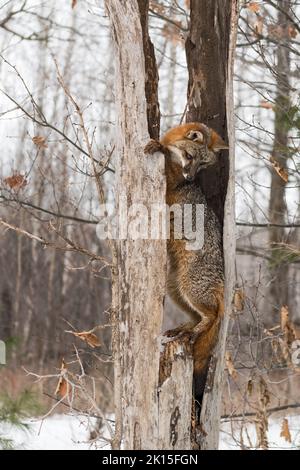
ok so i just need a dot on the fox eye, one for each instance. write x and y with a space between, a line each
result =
189 156
193 136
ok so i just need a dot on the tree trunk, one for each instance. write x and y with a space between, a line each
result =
210 50
279 289
207 49
153 388
151 74
155 392
141 263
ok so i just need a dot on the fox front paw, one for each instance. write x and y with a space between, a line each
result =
153 146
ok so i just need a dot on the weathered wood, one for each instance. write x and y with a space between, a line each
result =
279 294
142 263
155 406
207 48
151 84
175 396
211 404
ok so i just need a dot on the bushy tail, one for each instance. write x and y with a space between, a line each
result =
203 349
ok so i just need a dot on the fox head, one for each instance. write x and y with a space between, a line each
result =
192 147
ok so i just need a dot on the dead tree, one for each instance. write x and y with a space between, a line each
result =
210 49
153 392
279 289
141 263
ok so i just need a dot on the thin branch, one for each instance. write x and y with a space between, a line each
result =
266 225
71 246
50 212
269 411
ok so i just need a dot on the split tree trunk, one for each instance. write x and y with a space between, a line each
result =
210 51
153 406
141 263
153 394
207 49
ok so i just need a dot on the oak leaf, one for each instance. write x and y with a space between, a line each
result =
292 32
229 363
239 300
282 172
254 7
63 387
285 430
88 336
16 181
39 141
287 326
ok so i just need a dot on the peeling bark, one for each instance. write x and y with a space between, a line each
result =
153 407
210 50
207 49
154 389
175 396
151 74
279 288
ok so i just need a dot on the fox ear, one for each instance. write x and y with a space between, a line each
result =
195 135
216 142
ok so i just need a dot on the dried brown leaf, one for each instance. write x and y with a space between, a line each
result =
292 32
254 7
39 141
264 393
63 387
266 105
259 25
284 317
74 3
285 430
287 326
282 172
90 338
239 300
229 364
16 182
250 387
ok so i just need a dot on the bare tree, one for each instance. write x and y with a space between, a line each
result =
279 289
141 263
137 294
210 51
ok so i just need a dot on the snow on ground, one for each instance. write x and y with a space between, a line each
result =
65 432
231 434
57 432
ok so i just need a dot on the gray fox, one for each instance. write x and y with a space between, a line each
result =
195 277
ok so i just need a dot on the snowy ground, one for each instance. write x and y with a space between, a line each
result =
58 432
70 432
231 435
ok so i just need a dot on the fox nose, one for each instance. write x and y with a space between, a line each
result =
188 177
